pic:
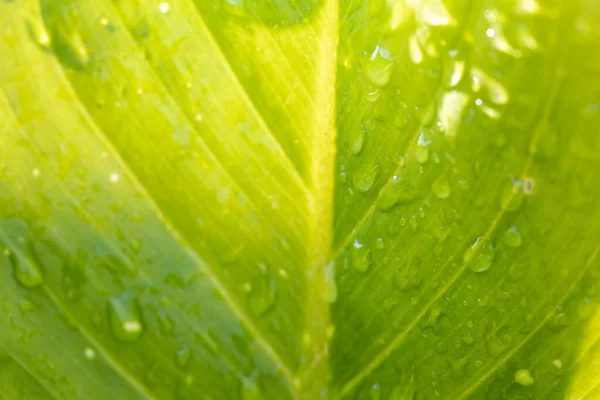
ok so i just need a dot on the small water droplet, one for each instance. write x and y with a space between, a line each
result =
523 377
89 353
480 256
379 66
125 317
441 188
375 392
468 338
422 149
361 256
512 237
183 356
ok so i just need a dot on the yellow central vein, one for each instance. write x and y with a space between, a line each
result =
315 369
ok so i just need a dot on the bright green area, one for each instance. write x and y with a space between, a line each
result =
299 199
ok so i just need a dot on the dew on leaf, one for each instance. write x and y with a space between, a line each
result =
375 392
523 377
512 196
125 317
512 237
365 177
361 256
441 188
27 271
89 353
480 256
422 149
356 141
183 356
398 190
457 73
263 297
378 67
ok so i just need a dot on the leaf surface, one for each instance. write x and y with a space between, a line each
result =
299 199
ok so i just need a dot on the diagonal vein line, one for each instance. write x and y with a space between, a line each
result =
89 337
530 335
247 98
170 227
399 339
234 179
29 372
75 202
348 239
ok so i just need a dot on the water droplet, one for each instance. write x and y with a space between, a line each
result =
468 338
182 356
27 272
414 50
365 177
379 66
399 189
523 377
372 95
441 188
422 149
452 108
375 392
125 317
480 256
512 237
263 296
457 73
356 141
361 256
379 244
89 353
512 196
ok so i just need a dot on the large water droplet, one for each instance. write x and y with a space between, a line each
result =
398 190
365 177
512 196
26 271
125 317
356 141
512 237
480 256
523 377
379 66
441 188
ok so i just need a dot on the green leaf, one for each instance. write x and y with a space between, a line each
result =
299 199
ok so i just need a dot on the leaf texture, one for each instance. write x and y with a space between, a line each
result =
299 199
